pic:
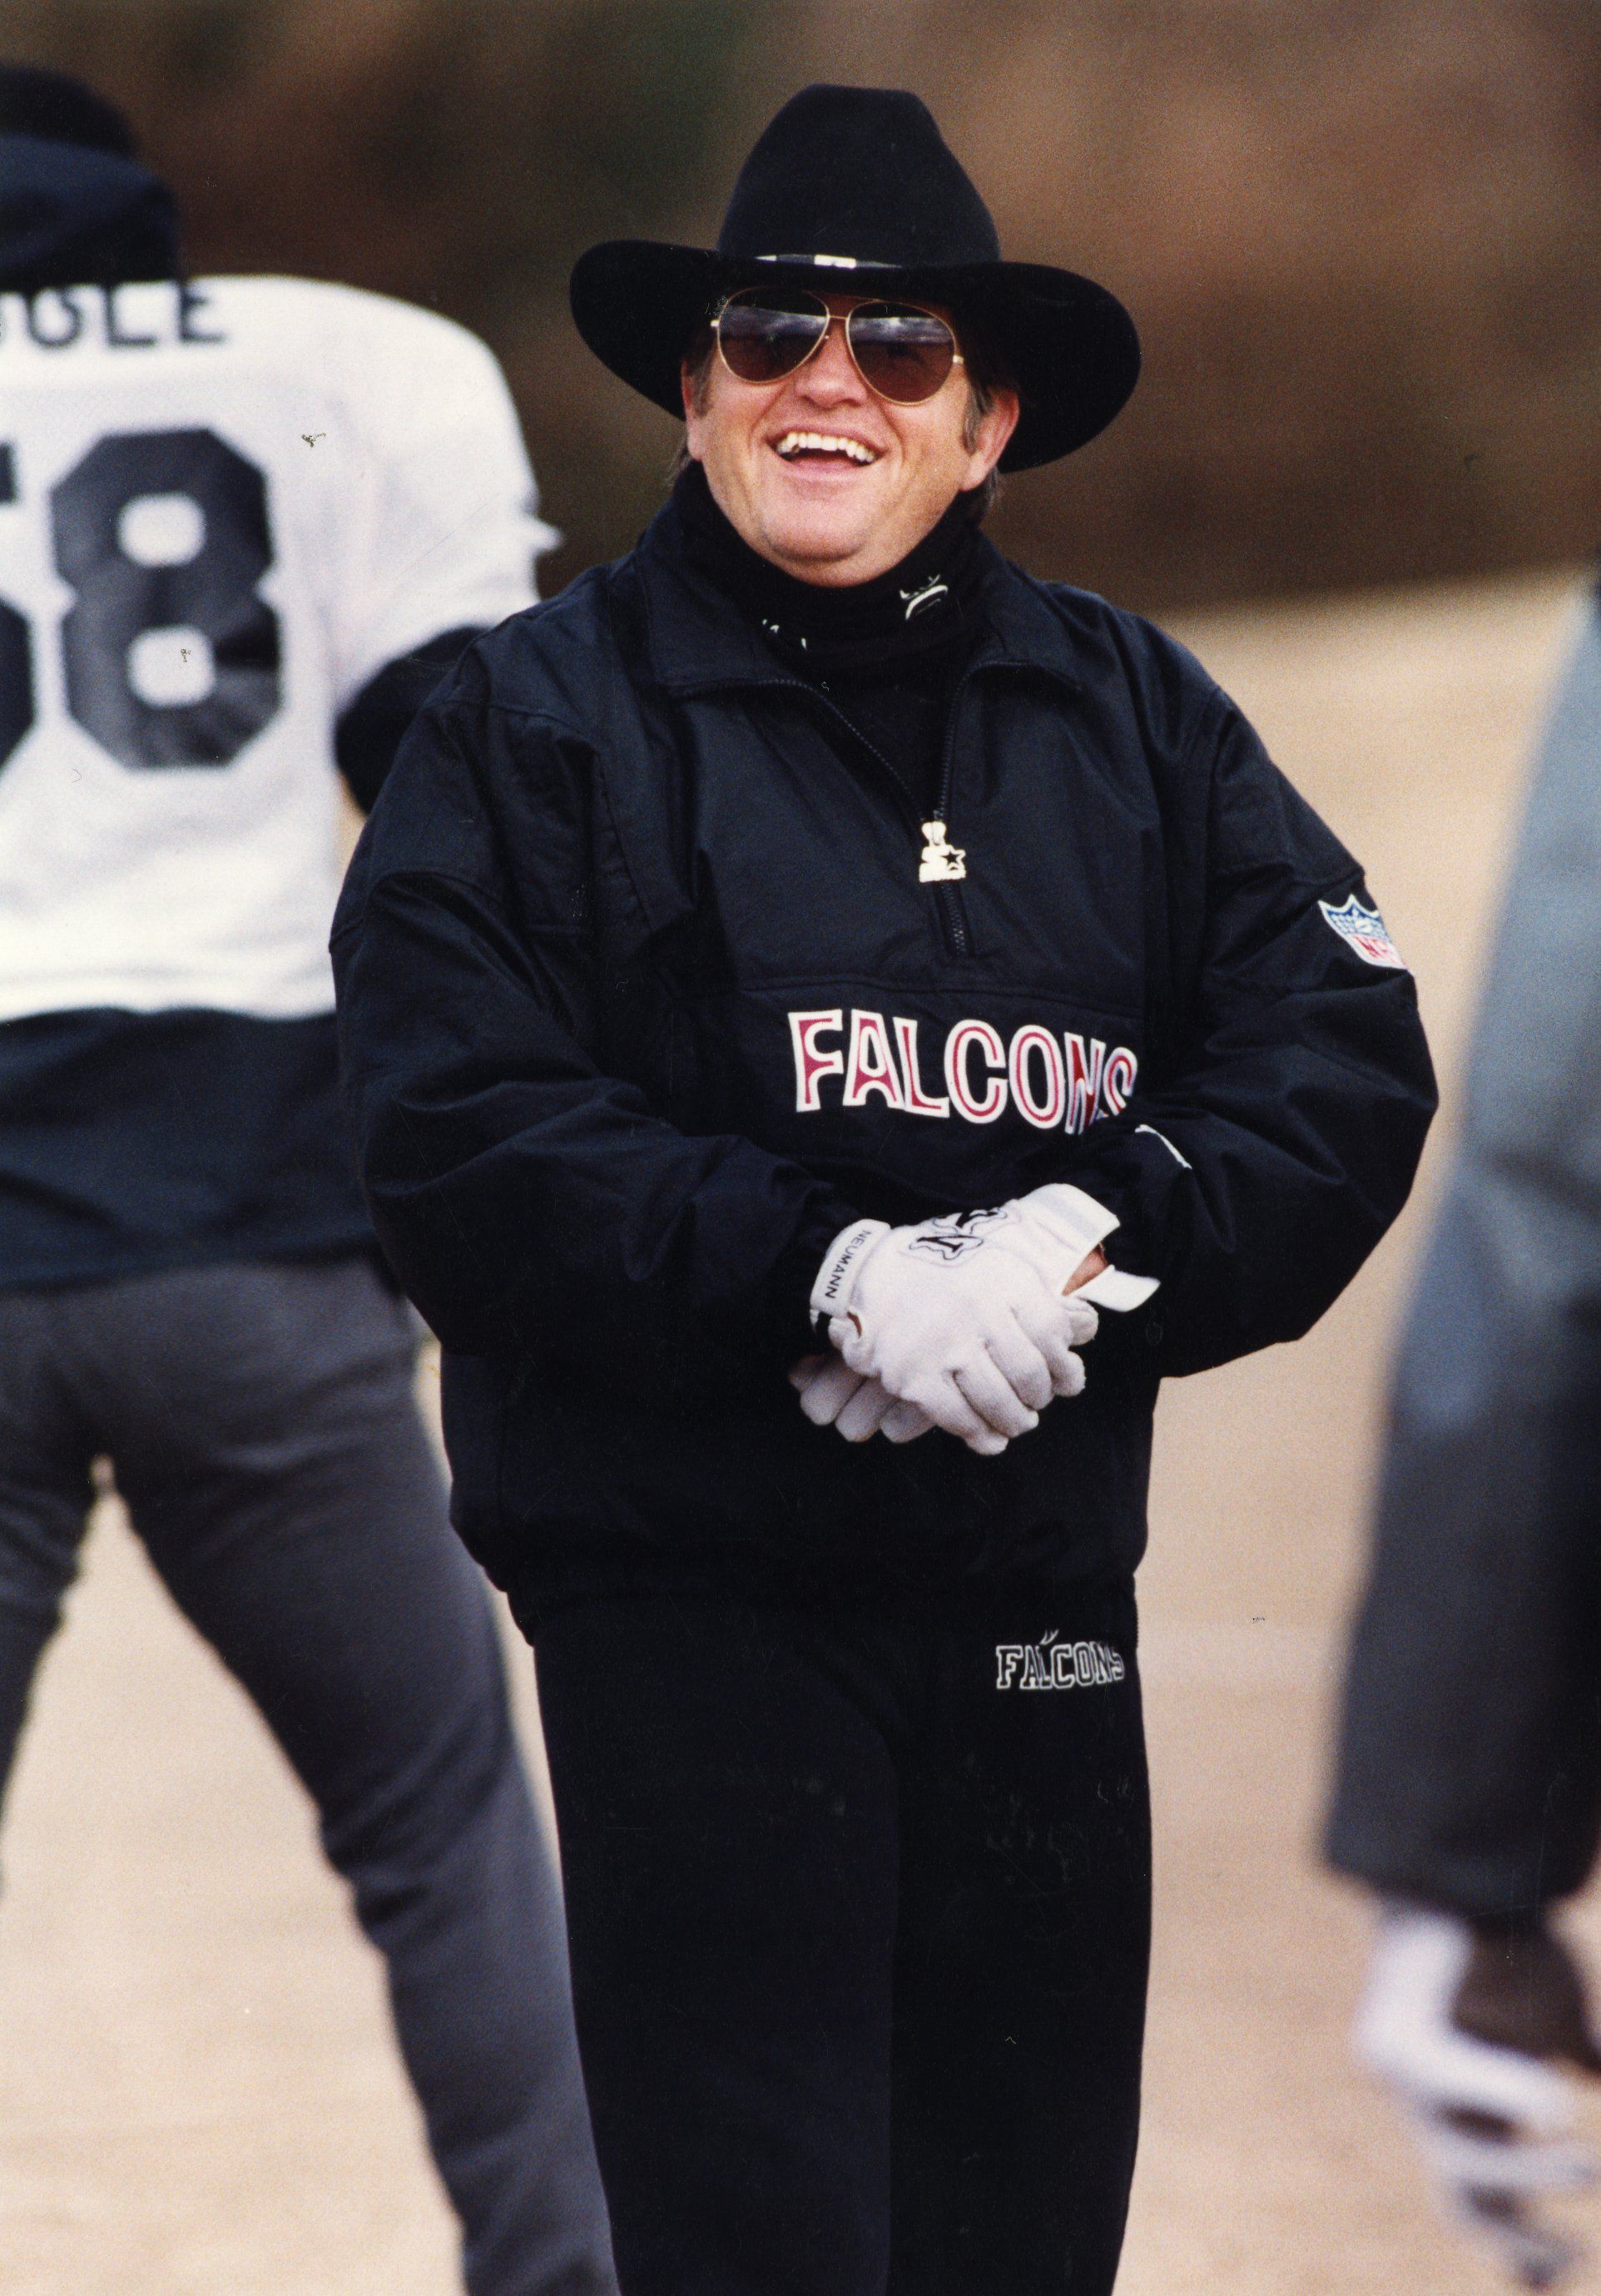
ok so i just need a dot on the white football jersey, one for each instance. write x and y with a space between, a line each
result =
225 504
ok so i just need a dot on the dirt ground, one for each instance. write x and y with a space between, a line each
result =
198 2091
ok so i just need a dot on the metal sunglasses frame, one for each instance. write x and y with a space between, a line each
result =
844 318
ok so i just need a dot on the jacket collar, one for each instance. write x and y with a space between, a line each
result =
698 642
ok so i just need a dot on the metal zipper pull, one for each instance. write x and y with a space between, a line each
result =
939 862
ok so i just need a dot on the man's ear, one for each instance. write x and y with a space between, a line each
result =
994 428
692 420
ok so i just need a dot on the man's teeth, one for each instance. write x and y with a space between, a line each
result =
822 442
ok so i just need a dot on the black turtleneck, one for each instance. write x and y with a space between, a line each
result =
887 652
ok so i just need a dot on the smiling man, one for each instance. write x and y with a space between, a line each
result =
799 958
825 475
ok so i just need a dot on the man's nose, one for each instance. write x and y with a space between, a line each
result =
830 376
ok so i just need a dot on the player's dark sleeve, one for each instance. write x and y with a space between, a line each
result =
1469 1768
371 729
1281 1135
528 1200
1469 1764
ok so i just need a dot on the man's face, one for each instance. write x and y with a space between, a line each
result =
851 506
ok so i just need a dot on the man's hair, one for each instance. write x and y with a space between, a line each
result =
983 380
61 109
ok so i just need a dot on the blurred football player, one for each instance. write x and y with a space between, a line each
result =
1469 1785
244 523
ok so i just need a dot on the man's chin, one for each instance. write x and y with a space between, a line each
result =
820 549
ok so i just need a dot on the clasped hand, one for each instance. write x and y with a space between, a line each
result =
962 1321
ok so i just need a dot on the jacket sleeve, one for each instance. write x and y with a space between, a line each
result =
527 1199
1284 1129
1469 1770
368 734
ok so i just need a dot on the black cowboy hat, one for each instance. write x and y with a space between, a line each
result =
855 189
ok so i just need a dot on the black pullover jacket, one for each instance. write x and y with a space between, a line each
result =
642 999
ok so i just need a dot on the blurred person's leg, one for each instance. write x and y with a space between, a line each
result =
267 1445
45 1493
1020 1965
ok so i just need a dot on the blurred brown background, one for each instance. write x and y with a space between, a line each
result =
1360 236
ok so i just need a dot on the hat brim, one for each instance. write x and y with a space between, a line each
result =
1067 344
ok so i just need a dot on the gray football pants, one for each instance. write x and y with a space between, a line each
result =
260 1424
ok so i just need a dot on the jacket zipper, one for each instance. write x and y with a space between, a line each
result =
949 906
947 897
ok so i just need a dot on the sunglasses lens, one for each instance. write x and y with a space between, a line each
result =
904 353
764 337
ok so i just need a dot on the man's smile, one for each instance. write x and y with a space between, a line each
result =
825 446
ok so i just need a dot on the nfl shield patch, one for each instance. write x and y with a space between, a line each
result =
1364 929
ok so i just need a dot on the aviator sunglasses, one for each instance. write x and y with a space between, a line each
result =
900 350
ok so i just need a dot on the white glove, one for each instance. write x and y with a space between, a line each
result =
973 1335
1057 1227
833 1395
1494 2122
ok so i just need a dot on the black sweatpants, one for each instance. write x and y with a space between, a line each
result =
858 1910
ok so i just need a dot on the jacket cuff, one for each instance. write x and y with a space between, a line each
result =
1139 1174
786 1309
